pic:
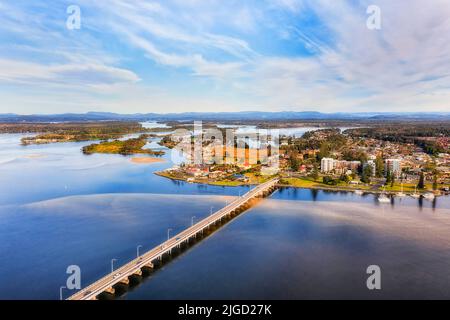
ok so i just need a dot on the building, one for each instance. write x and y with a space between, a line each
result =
394 166
326 164
339 166
372 165
343 166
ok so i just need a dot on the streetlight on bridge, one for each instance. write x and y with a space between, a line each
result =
168 233
192 220
137 250
60 292
112 265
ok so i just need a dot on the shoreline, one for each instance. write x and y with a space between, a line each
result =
325 188
368 191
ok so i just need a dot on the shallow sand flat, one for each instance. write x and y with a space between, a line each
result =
146 160
35 156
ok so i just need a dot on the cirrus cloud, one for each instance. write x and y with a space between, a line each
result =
214 55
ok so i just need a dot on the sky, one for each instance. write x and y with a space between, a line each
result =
141 56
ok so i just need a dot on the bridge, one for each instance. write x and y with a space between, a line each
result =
147 260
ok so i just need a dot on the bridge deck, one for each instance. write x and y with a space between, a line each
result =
93 290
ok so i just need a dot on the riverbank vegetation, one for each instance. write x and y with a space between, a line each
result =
310 183
123 147
71 132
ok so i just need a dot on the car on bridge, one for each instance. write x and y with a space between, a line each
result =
87 293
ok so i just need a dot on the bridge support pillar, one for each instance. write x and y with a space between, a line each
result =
148 269
136 277
110 290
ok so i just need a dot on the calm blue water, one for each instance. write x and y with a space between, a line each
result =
41 172
290 249
59 207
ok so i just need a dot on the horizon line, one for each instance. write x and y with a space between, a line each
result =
224 112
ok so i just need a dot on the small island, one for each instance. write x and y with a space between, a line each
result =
72 132
123 147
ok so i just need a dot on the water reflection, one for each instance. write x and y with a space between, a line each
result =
330 195
314 194
41 239
287 249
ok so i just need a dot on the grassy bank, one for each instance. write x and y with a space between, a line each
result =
306 183
311 183
253 179
410 187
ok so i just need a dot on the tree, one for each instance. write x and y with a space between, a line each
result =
392 181
344 178
324 150
327 180
293 160
351 155
435 181
366 174
379 166
421 184
315 172
388 177
361 156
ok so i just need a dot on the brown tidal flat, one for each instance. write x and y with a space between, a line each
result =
146 160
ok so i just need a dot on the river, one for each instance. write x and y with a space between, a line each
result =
59 207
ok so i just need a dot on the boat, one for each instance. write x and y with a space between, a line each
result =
429 196
359 192
383 198
401 194
415 194
190 180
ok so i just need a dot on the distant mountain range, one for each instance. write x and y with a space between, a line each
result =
225 116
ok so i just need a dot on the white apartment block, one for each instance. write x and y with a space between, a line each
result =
326 164
371 164
394 166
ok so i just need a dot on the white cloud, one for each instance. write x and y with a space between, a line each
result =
71 74
344 66
403 67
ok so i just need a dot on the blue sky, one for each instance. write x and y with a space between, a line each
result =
215 55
